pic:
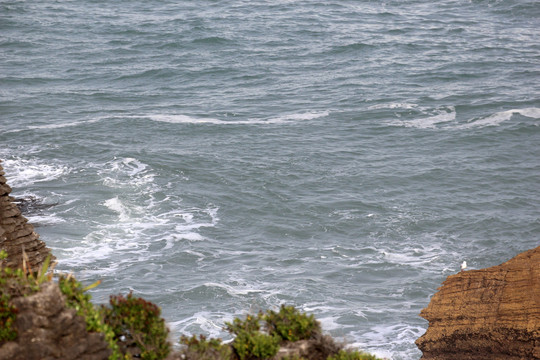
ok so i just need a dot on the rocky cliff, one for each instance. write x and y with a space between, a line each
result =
489 314
16 234
47 329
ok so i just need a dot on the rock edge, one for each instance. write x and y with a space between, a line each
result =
490 314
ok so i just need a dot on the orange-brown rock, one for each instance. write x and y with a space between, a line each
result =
492 313
16 233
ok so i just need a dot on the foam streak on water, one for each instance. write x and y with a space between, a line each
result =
223 157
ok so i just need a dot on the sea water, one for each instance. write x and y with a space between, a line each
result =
225 157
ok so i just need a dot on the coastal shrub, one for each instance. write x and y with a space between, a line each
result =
250 342
291 325
78 299
137 323
201 348
255 345
250 324
352 355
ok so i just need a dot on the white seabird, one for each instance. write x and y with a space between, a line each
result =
463 265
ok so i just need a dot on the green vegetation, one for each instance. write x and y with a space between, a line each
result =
250 342
137 323
203 348
133 327
291 325
8 312
13 283
259 337
78 299
7 317
352 355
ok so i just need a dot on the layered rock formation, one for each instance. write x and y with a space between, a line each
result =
16 234
47 329
489 314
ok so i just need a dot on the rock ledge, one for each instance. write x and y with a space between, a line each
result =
493 313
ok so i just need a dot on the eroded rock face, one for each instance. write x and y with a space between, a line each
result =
47 329
492 313
16 233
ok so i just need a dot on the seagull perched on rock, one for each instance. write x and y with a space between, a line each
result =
463 265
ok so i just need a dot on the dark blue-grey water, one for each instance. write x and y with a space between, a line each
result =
221 157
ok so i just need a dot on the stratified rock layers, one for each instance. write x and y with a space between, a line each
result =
47 329
16 233
492 313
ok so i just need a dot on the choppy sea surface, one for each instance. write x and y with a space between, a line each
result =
221 157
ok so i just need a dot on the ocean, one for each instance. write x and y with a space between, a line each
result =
224 157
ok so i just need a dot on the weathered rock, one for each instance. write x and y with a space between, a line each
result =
17 234
47 329
492 313
320 347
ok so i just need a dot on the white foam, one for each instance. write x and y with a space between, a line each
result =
63 125
196 253
124 213
419 256
53 126
126 172
44 219
185 119
88 252
499 117
393 106
442 116
233 291
201 320
310 115
329 323
348 214
180 235
24 172
141 219
381 336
